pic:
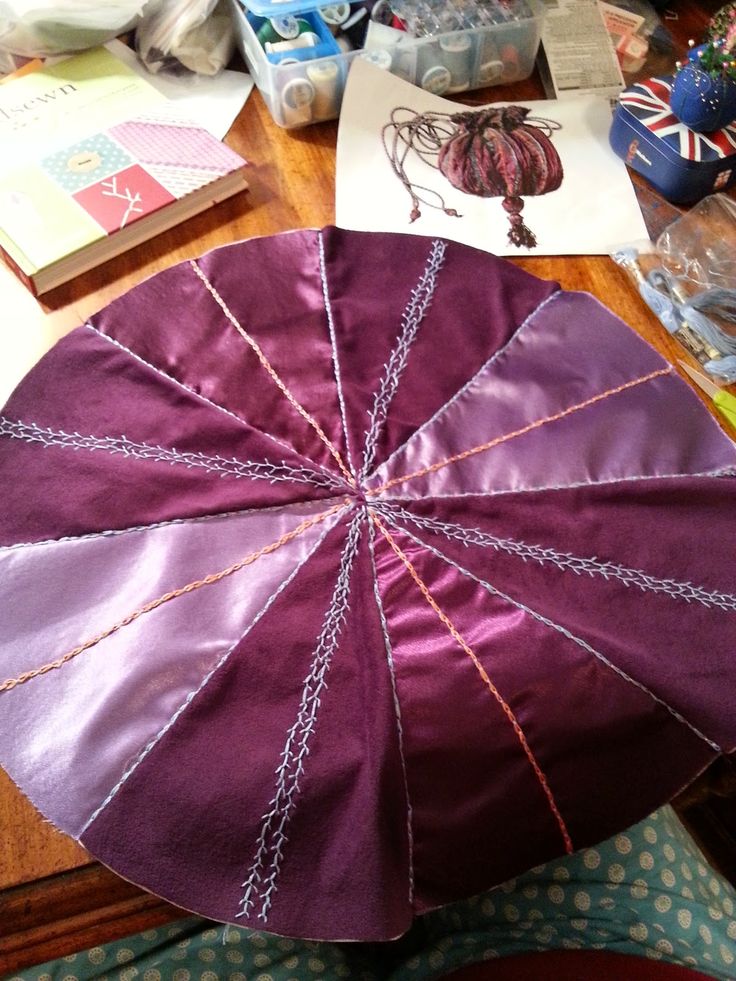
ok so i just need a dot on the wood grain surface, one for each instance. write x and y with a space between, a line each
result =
53 898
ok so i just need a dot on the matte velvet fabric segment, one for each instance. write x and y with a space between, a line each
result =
87 387
100 710
344 575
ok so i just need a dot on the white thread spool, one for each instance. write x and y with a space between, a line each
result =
432 73
297 97
307 40
325 77
456 51
378 57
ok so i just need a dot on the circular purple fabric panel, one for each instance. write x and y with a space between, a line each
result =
343 575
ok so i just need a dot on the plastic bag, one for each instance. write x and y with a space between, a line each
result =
186 36
688 279
38 28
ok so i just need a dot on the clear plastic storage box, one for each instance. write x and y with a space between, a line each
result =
299 54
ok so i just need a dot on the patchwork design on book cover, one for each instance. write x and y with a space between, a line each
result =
90 159
122 198
128 171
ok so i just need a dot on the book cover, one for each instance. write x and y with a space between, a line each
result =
97 150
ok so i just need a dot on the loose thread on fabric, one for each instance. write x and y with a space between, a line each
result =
273 837
540 618
411 321
508 711
458 457
333 344
568 562
209 580
397 711
273 373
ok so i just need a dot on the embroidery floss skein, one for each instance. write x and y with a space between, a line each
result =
496 152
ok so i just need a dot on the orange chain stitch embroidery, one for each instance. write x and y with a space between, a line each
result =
484 675
432 468
272 372
214 577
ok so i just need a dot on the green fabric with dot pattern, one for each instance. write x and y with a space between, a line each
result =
647 892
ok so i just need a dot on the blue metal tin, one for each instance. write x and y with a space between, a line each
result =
683 165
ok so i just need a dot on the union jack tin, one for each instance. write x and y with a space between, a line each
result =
684 166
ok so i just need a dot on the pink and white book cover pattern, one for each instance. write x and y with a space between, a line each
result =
139 166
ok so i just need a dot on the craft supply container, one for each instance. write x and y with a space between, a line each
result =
682 165
308 87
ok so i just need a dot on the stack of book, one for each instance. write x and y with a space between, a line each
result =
97 161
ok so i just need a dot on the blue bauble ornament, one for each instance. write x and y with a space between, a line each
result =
701 102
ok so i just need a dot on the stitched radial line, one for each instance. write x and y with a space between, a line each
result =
208 580
411 321
273 373
389 515
508 711
31 432
567 562
538 423
261 883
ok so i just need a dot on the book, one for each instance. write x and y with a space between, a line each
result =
99 161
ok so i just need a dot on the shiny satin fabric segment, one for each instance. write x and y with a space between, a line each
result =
347 574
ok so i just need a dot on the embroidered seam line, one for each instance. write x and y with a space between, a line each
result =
261 882
411 321
471 381
132 767
568 562
272 372
508 711
397 712
560 629
456 458
604 482
209 580
33 433
333 344
171 380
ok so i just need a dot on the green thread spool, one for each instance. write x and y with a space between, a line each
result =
282 29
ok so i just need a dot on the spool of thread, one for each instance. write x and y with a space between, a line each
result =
297 97
456 52
343 43
378 57
307 40
381 12
325 78
510 59
436 79
432 73
490 66
335 16
355 27
282 29
490 72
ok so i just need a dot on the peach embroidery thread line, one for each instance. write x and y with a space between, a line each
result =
214 577
432 468
484 675
274 374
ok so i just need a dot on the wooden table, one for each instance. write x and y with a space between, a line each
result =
54 898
